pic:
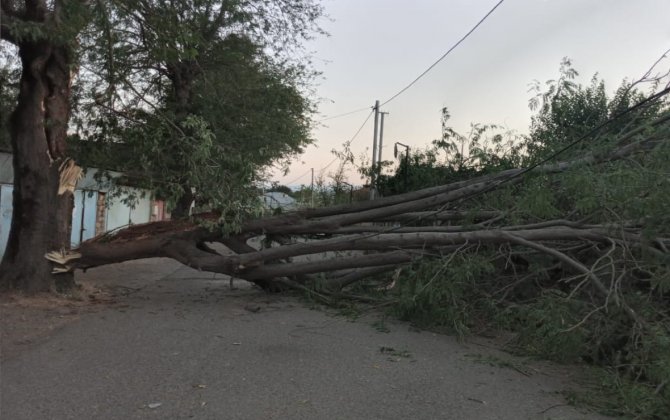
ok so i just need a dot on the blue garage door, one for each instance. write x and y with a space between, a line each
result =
83 216
5 215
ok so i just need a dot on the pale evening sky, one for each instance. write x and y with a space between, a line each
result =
376 47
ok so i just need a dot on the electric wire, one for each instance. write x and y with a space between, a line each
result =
355 111
348 143
557 153
463 38
289 183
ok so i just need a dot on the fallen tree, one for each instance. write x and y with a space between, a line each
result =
371 236
572 256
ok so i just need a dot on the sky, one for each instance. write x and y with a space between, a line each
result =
377 47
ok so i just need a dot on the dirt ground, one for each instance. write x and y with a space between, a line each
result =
28 320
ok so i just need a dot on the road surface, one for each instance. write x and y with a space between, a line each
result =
178 344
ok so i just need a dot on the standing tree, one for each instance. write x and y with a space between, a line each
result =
202 92
44 33
156 52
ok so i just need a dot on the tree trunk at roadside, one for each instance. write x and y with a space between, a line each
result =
41 217
181 75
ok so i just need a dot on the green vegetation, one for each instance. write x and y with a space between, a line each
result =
8 91
190 99
380 325
330 189
195 100
554 313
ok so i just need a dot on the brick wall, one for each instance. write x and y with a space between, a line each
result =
100 213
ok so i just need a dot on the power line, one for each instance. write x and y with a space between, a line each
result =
360 128
289 183
348 143
344 114
463 38
494 186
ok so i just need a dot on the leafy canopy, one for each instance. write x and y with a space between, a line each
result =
197 95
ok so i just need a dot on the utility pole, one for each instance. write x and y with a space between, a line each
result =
374 152
395 154
312 190
381 137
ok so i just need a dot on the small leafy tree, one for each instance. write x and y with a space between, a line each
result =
567 110
487 148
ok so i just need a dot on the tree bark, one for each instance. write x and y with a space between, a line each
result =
41 216
181 75
182 209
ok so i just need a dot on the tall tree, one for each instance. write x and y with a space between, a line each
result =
217 93
44 33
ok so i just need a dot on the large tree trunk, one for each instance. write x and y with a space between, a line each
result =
182 207
181 75
41 216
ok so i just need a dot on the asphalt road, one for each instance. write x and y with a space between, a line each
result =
179 344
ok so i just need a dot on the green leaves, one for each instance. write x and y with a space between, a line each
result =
554 314
486 148
57 23
445 293
198 95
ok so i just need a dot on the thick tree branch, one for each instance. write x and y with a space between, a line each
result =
340 282
417 240
283 270
581 268
448 215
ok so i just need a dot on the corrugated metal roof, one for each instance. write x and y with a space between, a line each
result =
276 199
